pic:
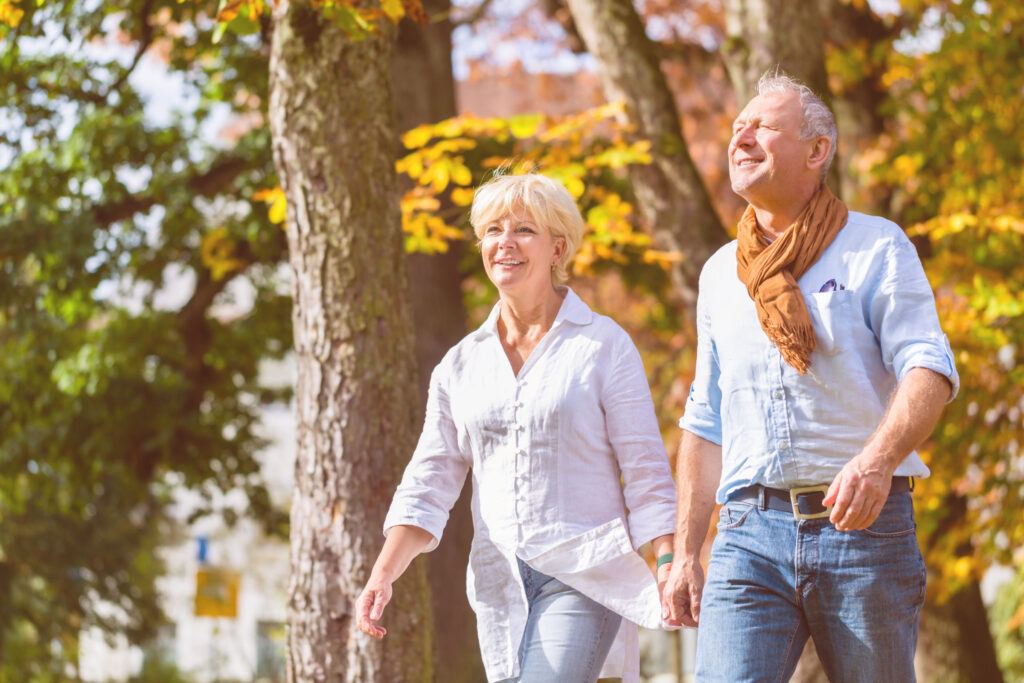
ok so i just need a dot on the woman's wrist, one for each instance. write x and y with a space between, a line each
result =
663 559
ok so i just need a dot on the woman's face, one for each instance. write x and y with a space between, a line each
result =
518 253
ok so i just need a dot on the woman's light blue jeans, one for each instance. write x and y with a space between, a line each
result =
773 582
567 635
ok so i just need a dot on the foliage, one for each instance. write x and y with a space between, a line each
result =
958 161
1007 622
128 365
357 18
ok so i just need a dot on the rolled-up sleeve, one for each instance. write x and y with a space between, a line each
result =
435 475
904 318
633 431
703 415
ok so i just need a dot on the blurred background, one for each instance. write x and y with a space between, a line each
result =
147 430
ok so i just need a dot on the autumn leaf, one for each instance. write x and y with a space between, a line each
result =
394 9
217 251
275 197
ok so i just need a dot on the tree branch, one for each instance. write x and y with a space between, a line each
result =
207 184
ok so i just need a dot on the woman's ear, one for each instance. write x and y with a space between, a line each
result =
559 250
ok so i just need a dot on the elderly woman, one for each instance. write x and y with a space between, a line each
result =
548 406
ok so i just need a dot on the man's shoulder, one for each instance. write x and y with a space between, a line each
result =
722 260
870 232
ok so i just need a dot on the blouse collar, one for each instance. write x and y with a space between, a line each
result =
572 310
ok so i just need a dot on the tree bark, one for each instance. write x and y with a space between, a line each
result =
956 644
334 144
671 195
425 93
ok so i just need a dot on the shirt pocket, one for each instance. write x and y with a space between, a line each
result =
831 314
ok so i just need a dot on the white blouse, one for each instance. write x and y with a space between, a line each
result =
569 474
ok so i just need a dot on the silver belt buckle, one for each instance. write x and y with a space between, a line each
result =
795 493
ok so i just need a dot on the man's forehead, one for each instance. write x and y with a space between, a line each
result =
777 103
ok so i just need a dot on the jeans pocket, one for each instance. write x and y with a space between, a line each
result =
732 515
895 521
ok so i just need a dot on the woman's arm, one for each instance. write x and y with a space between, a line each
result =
400 547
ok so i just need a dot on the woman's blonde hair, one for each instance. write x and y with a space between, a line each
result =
544 200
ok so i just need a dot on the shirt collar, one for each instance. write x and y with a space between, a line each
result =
572 310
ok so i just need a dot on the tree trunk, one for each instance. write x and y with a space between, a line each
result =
955 643
334 144
671 196
425 93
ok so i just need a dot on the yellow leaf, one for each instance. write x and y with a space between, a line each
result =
229 10
460 173
217 253
462 196
394 9
524 125
418 136
278 209
10 15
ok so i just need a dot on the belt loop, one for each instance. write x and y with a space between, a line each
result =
762 498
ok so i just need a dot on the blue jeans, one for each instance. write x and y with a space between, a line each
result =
773 582
567 635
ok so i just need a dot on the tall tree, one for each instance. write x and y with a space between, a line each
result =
331 116
424 88
671 197
111 392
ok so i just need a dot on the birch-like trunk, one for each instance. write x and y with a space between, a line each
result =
334 147
671 196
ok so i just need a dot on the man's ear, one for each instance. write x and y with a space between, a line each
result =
819 152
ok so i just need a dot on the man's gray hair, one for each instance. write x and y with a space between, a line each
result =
818 119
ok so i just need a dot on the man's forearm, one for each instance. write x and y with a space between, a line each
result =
912 414
698 470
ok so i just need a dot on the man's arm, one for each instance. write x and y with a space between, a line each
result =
860 489
698 471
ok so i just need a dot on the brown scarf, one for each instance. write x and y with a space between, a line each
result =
770 272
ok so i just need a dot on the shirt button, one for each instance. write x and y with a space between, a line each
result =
778 393
517 404
520 452
783 445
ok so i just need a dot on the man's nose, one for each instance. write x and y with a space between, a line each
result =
743 137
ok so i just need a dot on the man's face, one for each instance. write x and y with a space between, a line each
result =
767 158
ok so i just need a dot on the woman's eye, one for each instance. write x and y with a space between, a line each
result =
524 228
492 230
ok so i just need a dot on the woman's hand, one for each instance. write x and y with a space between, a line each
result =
663 572
370 606
403 543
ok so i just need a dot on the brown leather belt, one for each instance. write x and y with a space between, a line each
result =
804 501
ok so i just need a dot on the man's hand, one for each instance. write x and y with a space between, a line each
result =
859 492
682 592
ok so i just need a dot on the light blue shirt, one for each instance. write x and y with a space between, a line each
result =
875 319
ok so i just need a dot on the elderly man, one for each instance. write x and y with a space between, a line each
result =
820 367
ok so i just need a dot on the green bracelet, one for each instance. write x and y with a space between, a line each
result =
664 559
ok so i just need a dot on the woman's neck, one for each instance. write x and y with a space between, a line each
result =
529 315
